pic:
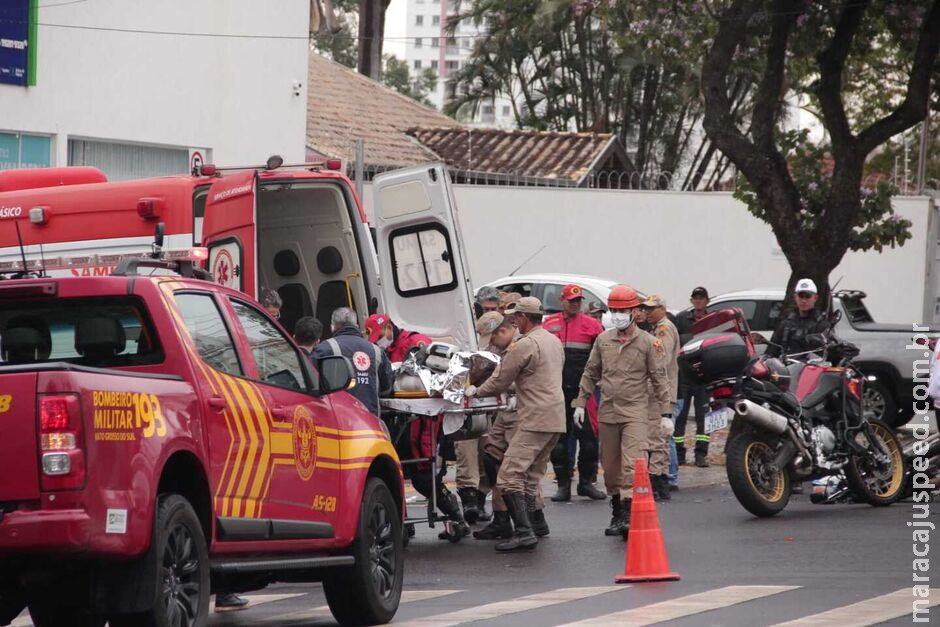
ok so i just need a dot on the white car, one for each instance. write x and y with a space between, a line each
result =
547 288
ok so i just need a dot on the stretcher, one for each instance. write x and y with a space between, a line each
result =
401 412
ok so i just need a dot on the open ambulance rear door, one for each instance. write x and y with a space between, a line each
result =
229 231
424 278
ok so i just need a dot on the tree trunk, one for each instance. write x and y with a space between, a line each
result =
371 29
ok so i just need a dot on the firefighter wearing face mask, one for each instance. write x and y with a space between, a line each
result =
624 363
397 342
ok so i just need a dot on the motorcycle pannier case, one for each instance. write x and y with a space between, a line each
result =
713 356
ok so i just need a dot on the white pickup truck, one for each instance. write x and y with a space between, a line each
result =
884 355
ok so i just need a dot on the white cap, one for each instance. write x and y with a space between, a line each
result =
806 285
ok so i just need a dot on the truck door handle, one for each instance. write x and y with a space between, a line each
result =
280 413
217 403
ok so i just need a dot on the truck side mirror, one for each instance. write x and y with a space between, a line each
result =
336 373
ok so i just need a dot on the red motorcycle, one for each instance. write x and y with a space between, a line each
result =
790 420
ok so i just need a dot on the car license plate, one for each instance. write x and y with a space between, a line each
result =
718 419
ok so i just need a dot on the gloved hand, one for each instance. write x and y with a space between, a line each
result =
471 391
667 424
511 403
578 417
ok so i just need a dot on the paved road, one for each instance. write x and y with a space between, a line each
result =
736 570
815 565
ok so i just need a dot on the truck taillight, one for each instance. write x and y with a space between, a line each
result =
60 442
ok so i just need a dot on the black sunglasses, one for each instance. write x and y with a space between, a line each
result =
805 294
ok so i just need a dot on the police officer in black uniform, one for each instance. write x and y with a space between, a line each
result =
789 337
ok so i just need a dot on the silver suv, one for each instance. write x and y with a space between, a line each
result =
883 354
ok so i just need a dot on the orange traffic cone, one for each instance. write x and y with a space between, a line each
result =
646 552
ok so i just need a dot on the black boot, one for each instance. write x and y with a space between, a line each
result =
484 516
700 459
616 512
536 517
663 488
499 529
471 511
522 536
564 486
455 528
680 454
587 488
625 518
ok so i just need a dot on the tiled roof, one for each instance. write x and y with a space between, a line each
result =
537 154
343 106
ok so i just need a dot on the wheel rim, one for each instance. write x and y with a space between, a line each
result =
769 484
382 551
873 403
181 581
883 474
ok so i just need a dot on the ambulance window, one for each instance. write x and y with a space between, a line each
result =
199 212
278 363
423 261
207 329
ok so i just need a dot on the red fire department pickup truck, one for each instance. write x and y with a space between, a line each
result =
164 439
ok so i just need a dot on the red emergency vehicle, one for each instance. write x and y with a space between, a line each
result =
76 223
163 438
300 230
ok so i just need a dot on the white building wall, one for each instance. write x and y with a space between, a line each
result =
100 77
671 242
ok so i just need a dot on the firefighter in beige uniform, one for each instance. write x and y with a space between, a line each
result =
495 444
624 361
534 363
660 426
471 477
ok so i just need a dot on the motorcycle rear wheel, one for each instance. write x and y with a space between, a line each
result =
878 481
760 491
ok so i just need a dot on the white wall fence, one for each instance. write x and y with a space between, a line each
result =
669 242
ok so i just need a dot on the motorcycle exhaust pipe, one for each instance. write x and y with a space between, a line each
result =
761 416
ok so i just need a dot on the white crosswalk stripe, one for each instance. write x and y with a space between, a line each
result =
503 608
261 599
685 606
407 596
868 612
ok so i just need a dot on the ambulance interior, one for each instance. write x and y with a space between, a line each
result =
308 251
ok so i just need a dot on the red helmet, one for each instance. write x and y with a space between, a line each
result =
622 297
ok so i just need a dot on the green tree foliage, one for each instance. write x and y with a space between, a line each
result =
342 45
591 67
397 76
866 66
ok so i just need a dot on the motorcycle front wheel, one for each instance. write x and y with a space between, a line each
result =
760 489
877 478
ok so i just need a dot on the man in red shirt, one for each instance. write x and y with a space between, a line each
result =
397 342
577 332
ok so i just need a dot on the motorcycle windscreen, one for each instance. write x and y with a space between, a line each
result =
424 279
229 231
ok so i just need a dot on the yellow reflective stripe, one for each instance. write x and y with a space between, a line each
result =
360 432
254 397
282 443
245 470
233 408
